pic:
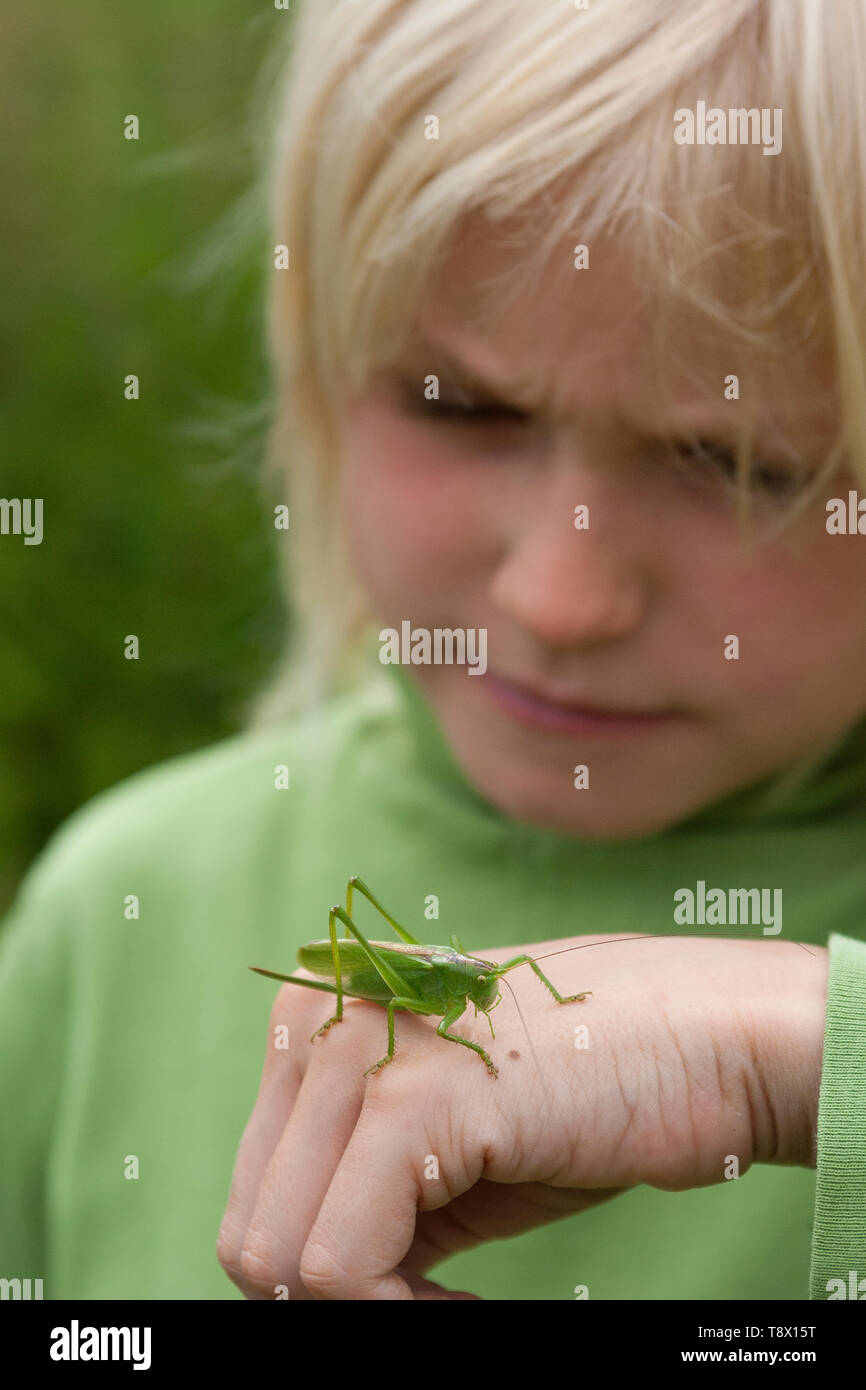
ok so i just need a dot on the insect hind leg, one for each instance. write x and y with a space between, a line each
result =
335 953
356 882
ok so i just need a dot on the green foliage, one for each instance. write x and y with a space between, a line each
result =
121 256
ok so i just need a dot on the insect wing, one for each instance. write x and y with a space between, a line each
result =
359 978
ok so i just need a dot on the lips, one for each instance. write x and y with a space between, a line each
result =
539 708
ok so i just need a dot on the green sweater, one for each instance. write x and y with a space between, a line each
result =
131 1048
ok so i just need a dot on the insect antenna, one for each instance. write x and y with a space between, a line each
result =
503 981
649 936
538 1067
616 941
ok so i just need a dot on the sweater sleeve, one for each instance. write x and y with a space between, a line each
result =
839 1235
33 990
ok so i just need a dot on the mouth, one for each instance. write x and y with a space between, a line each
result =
541 710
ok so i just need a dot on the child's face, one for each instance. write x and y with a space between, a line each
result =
471 525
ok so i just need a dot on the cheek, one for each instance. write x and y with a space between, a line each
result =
412 513
800 614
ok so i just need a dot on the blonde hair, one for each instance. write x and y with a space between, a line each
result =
563 118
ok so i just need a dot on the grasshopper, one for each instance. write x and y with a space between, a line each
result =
420 979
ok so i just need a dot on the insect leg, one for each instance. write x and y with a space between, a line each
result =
527 960
452 1016
392 978
356 882
412 1006
455 942
335 953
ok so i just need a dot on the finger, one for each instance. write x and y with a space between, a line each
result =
306 1155
366 1222
425 1291
293 1017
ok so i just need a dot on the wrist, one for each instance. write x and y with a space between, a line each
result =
787 1037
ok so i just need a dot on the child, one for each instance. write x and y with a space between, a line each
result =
571 379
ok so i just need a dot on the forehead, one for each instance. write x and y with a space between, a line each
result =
581 340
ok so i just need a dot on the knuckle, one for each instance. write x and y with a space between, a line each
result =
321 1273
394 1092
344 1041
258 1268
288 1002
229 1242
290 1024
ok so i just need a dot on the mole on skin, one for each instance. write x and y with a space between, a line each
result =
514 1055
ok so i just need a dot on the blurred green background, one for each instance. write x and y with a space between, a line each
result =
121 256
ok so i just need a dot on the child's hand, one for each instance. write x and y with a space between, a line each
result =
698 1049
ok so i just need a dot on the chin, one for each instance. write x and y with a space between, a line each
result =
539 804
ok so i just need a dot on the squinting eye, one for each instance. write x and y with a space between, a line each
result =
459 409
472 414
776 479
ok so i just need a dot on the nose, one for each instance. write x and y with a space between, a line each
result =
567 586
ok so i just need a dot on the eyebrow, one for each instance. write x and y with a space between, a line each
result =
458 367
698 424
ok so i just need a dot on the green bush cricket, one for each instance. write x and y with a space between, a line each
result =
437 980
